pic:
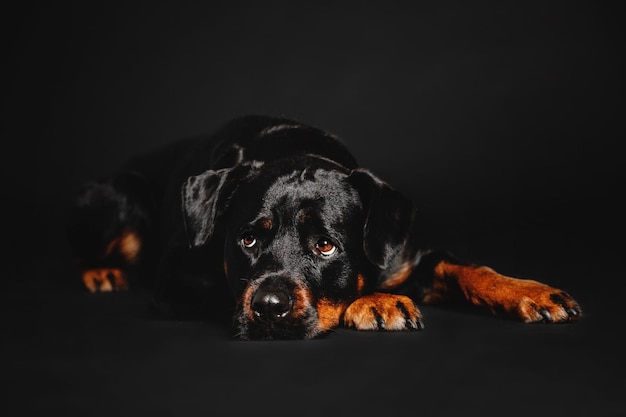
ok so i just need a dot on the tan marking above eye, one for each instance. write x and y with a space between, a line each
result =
266 223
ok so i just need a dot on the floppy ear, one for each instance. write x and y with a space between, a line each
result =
205 198
389 218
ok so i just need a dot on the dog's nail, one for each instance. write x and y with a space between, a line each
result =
547 317
414 324
379 319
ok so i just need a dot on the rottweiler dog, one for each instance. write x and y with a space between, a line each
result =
276 219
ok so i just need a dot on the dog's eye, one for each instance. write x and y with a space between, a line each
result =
326 248
248 241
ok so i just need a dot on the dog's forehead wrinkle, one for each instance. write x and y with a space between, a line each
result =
286 244
329 188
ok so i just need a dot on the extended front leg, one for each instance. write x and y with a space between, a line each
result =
527 300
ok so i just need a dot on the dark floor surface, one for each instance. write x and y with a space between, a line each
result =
68 352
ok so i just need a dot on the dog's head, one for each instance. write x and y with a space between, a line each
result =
303 238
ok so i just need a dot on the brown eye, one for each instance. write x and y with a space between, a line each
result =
326 248
248 241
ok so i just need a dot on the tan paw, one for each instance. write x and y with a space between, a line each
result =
381 311
105 280
541 303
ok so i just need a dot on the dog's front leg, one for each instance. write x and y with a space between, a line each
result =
527 300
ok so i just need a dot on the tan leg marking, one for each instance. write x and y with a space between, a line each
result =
381 311
128 244
528 300
104 280
360 284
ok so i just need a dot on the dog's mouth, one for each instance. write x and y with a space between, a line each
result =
277 307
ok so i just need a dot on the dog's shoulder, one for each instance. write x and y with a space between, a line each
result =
263 138
241 140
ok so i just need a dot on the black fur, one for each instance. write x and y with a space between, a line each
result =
271 216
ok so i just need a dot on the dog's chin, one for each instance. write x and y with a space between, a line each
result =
292 328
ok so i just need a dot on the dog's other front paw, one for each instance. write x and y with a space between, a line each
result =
542 303
381 311
104 280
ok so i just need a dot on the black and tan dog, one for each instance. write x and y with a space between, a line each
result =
279 215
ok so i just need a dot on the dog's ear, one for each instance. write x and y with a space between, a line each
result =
389 217
204 198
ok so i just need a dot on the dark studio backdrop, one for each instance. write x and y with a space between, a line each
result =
501 120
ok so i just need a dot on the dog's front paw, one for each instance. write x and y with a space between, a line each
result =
381 311
541 303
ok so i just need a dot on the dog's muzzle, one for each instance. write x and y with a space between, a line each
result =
276 307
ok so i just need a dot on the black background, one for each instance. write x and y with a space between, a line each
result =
502 120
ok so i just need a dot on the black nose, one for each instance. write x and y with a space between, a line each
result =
271 305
